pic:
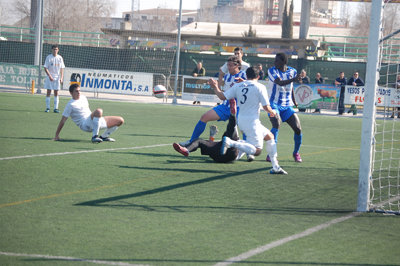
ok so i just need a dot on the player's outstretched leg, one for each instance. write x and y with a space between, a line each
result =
180 149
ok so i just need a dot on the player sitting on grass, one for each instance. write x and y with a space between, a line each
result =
211 148
250 95
78 109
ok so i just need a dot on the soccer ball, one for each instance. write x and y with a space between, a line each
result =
159 91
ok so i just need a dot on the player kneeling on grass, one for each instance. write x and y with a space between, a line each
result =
250 94
78 109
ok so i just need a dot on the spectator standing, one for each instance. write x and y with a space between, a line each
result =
304 79
318 80
342 82
260 71
199 70
355 80
54 68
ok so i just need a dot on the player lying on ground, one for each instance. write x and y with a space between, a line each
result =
211 148
250 94
78 109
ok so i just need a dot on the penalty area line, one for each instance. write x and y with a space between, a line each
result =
285 240
78 152
63 258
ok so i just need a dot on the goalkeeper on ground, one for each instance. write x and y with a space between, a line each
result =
211 148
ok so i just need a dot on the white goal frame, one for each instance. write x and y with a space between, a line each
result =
366 166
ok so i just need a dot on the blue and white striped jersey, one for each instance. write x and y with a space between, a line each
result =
281 95
229 79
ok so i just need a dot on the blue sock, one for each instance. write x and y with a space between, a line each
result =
276 133
198 130
244 136
297 142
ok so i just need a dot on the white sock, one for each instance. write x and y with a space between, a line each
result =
96 126
47 102
270 146
109 131
243 146
56 100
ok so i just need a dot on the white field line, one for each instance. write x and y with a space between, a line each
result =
127 148
285 240
77 152
62 258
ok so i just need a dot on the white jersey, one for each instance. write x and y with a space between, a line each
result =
281 95
78 110
243 68
54 64
250 96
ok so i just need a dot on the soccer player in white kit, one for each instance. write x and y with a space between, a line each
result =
54 68
78 109
250 95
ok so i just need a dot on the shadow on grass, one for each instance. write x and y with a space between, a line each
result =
119 201
98 202
46 139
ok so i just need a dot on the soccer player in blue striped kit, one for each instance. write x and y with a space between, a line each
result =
222 111
280 83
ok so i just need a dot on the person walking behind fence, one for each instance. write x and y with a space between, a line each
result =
54 68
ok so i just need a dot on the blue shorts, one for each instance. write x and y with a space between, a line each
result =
224 111
284 111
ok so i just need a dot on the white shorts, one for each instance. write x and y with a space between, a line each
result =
255 132
54 85
87 125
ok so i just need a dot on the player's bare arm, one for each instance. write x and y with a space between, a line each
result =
269 110
214 84
60 126
281 82
48 74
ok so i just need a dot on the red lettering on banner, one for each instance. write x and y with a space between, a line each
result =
359 99
305 95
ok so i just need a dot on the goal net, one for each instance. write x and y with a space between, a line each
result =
379 173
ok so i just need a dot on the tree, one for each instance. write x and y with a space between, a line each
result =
249 33
287 21
390 20
218 30
75 15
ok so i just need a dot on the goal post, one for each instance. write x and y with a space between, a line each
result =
379 168
371 82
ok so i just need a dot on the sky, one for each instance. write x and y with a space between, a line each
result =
125 5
